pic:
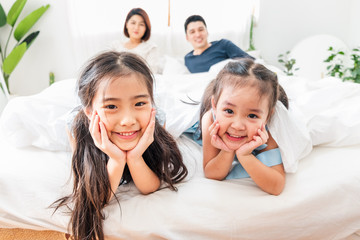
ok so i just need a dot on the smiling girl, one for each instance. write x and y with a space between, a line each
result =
116 139
236 107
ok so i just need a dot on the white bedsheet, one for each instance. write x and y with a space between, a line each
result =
320 201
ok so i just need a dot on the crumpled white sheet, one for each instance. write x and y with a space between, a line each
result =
330 109
322 197
40 120
290 133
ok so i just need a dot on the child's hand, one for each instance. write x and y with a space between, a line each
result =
98 133
216 141
257 141
146 139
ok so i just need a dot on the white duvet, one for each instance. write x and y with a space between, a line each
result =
320 200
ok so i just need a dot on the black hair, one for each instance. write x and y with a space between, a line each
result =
193 18
91 187
244 72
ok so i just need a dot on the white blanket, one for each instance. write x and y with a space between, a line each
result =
320 201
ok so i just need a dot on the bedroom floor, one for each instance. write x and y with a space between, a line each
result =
27 234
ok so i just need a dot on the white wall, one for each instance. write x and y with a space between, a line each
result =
282 23
353 34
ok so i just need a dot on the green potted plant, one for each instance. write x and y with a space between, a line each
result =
336 63
288 63
337 68
10 59
251 38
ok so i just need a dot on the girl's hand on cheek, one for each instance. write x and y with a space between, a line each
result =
216 141
258 140
146 139
99 134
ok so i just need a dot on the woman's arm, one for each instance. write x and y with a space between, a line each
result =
71 139
269 179
216 162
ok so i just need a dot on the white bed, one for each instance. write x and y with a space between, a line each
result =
321 200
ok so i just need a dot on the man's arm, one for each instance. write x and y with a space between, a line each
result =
234 51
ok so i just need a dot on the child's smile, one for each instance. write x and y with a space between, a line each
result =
240 113
124 106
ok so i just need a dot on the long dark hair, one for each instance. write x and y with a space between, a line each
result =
92 189
244 72
141 12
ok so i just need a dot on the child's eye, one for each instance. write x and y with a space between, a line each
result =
139 104
229 111
252 116
110 107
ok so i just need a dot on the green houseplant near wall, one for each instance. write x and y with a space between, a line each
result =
337 67
11 59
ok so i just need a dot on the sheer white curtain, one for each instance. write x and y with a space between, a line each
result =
95 24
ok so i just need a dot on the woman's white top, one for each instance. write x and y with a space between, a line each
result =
146 50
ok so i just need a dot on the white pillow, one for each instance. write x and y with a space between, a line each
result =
217 67
174 66
40 120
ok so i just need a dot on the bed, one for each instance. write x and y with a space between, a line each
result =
321 199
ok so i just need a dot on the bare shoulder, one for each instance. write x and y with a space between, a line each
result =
206 120
71 139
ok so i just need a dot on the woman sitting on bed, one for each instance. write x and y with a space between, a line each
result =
116 139
236 107
137 29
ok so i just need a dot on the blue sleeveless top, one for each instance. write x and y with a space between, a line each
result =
270 158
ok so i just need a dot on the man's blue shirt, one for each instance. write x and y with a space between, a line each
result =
217 52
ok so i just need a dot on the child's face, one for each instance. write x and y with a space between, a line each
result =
136 27
240 113
124 106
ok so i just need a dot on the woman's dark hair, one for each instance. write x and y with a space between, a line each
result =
143 14
193 18
92 189
244 72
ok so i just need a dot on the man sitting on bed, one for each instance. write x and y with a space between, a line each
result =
206 54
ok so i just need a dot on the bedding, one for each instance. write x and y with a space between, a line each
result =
320 199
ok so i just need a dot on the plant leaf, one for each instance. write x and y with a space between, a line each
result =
30 39
13 58
2 16
15 11
29 21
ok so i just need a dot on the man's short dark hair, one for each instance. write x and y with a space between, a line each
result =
193 18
